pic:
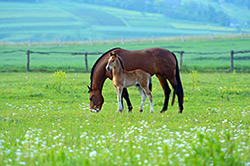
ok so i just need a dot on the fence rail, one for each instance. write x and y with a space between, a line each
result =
72 53
211 53
181 53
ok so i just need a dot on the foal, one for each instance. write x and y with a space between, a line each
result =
122 79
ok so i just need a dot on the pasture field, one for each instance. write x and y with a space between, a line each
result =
45 120
209 62
69 21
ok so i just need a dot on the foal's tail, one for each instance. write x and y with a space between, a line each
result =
179 88
150 82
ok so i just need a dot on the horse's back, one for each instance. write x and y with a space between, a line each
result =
137 76
152 60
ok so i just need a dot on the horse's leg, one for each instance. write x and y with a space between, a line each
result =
125 95
179 92
143 97
166 89
119 99
150 97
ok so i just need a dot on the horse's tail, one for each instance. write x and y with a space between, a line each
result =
172 103
150 83
179 88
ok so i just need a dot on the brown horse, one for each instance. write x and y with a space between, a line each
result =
156 61
123 79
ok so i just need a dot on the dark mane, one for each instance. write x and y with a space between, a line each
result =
93 68
121 62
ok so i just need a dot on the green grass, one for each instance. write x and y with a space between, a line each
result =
73 21
45 120
67 62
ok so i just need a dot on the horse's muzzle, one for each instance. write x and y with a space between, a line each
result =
108 68
94 110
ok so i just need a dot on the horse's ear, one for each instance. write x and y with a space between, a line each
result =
112 53
90 89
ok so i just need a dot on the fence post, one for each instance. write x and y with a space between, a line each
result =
29 43
91 41
232 60
122 40
182 38
86 61
212 36
153 40
181 54
242 35
60 42
28 60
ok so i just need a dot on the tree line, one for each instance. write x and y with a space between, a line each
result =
176 9
242 3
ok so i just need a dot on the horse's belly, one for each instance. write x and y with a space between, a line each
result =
128 83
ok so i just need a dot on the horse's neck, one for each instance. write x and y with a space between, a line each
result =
98 80
117 70
98 85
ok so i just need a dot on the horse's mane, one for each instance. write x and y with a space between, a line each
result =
121 62
93 68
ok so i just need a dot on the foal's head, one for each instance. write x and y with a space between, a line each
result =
113 61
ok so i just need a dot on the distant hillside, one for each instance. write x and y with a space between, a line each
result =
71 21
213 11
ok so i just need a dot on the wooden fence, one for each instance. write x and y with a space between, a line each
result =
183 38
72 53
211 53
181 54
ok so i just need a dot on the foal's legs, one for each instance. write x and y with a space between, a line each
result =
166 90
119 99
143 97
150 97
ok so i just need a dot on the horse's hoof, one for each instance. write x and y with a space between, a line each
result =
141 110
180 110
130 109
162 111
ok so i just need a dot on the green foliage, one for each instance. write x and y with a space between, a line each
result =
243 3
194 11
58 79
194 77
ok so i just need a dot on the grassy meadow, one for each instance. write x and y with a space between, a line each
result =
45 120
45 117
206 63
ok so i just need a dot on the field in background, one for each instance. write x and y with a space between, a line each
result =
191 61
45 120
72 21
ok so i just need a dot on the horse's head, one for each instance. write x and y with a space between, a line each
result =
112 61
96 100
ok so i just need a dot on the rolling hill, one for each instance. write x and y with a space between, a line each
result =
72 21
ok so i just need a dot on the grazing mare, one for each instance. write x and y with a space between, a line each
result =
155 61
123 79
